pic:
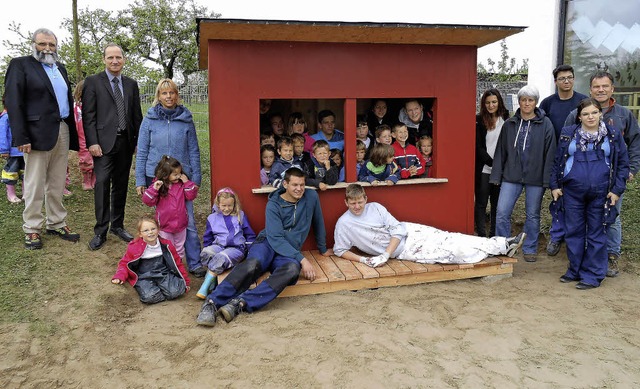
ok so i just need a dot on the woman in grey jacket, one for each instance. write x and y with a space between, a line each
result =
523 160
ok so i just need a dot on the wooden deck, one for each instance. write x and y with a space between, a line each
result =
334 274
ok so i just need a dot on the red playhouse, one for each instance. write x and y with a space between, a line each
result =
310 66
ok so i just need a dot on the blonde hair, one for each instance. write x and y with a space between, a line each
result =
149 219
228 193
166 83
354 192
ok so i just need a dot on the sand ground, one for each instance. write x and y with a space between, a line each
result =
527 331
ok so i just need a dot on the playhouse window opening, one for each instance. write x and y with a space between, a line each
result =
325 119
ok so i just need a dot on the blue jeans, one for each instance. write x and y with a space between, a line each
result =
614 232
260 259
509 194
192 245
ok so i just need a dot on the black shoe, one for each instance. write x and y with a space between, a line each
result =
97 241
565 279
553 248
121 233
199 271
207 315
530 258
232 309
65 233
514 243
582 286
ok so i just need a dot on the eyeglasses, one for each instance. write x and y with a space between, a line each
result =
46 44
565 79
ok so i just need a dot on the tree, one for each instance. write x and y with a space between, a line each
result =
164 33
506 69
96 28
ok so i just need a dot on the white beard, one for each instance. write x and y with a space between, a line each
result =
48 58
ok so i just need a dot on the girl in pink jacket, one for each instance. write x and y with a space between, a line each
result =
169 193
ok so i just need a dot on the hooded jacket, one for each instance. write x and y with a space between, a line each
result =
5 137
287 224
220 233
530 165
175 137
134 252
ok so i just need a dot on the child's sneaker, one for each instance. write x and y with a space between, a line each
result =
32 241
66 192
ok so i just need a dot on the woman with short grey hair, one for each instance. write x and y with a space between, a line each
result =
522 161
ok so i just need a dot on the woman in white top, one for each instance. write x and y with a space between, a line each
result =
488 125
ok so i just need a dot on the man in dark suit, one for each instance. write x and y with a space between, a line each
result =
39 104
111 116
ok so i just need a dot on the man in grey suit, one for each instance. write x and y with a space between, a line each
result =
39 104
111 116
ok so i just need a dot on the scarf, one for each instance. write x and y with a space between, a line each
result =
168 114
584 138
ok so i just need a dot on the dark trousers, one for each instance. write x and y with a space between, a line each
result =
485 192
260 259
585 192
112 180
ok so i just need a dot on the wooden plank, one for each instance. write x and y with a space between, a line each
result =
320 276
508 259
450 266
399 267
409 279
366 271
385 270
347 268
489 261
330 269
415 267
433 267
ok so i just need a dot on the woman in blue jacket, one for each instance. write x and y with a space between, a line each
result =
168 129
590 171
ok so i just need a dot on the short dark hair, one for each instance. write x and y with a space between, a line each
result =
293 171
601 74
381 128
361 120
104 51
325 113
264 148
562 68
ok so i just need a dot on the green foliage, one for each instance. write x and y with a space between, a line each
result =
164 32
506 69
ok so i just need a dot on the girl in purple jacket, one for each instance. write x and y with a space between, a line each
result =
226 239
169 192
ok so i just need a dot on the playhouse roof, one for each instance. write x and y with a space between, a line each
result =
347 32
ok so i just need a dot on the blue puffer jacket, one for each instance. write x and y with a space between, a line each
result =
175 137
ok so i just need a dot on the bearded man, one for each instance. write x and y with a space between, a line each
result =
39 102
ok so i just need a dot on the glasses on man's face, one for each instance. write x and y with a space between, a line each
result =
565 79
46 44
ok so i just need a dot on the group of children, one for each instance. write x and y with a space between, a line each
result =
382 157
153 262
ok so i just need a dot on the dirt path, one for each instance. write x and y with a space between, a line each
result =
528 331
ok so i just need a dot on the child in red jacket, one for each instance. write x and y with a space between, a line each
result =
169 193
152 266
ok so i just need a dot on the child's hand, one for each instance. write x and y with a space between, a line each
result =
413 170
187 289
117 281
184 178
389 182
375 183
322 186
327 164
157 185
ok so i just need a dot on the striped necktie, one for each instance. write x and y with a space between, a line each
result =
122 113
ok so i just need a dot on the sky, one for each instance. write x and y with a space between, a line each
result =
33 14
